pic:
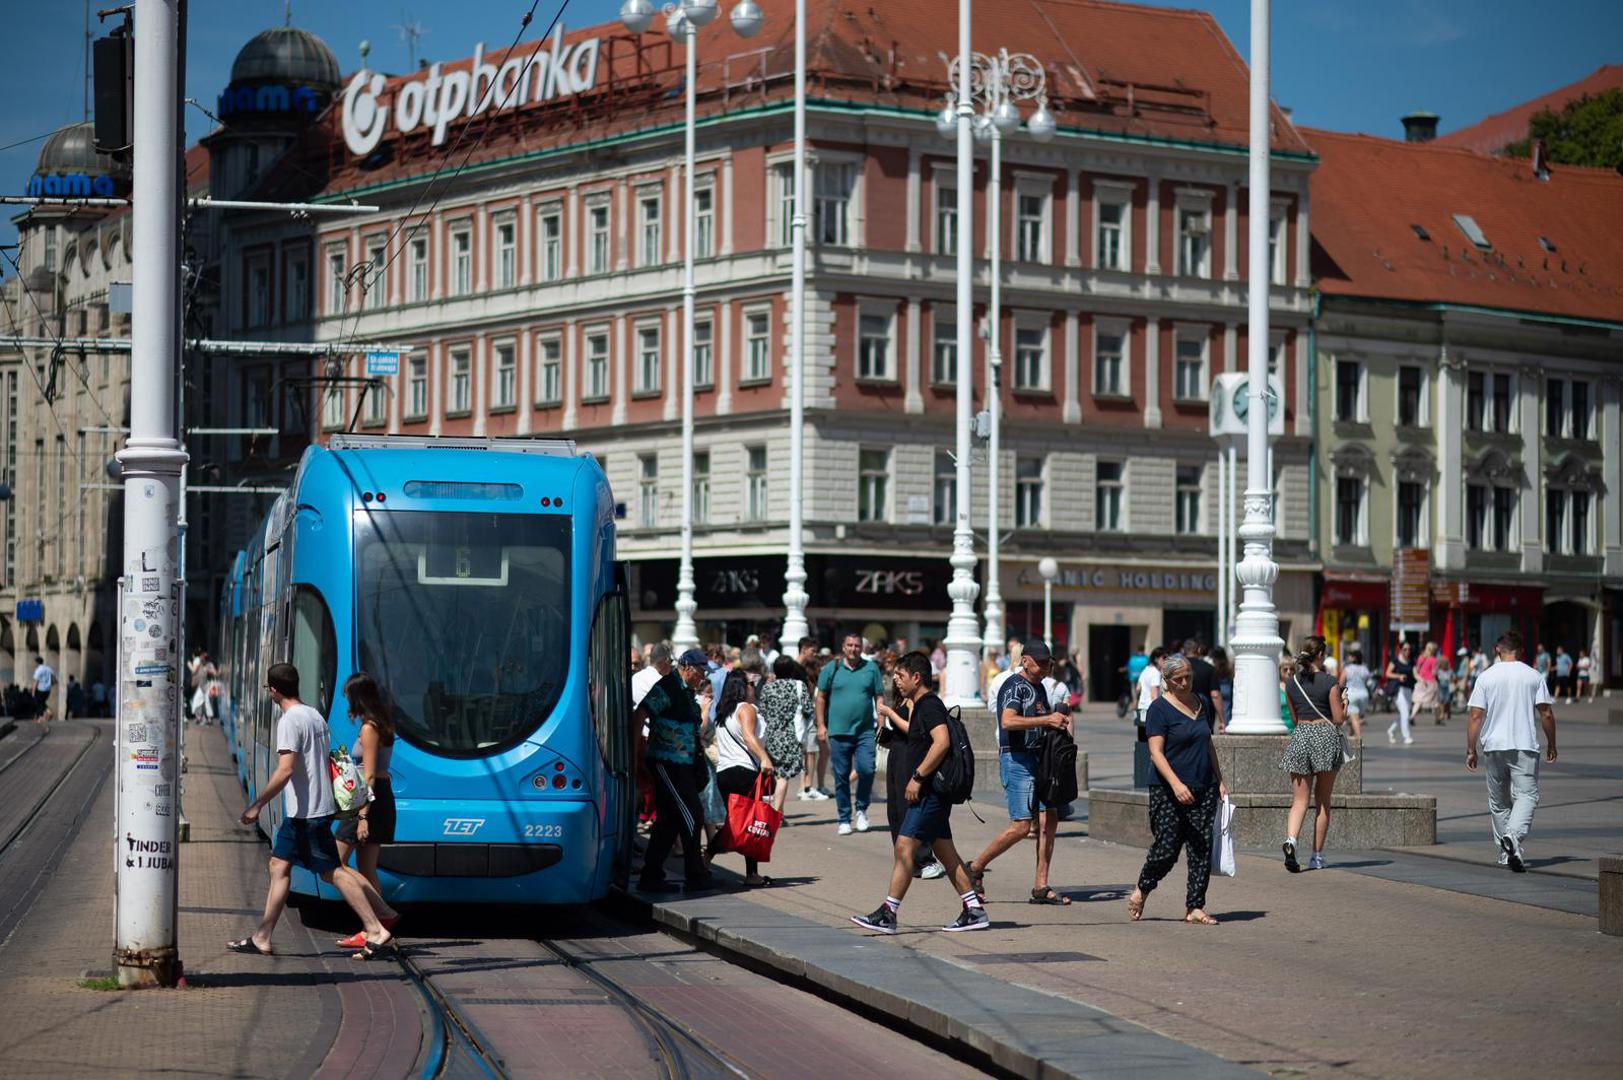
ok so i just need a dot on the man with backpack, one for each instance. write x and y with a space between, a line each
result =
936 753
1025 722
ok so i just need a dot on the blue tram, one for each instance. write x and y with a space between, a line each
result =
475 579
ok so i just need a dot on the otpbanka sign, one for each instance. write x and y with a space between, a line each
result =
439 99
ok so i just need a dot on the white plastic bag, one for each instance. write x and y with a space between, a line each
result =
1223 839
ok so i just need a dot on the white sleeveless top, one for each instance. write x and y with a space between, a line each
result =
731 753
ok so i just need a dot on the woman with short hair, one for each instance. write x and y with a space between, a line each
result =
1185 787
1313 755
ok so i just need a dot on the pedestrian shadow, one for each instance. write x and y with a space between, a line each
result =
1365 864
1098 894
1554 860
1239 916
230 980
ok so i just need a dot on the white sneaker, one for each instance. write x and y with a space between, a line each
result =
1407 739
844 829
808 795
819 795
862 821
1391 735
1316 862
932 871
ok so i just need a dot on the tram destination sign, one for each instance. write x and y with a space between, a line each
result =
438 99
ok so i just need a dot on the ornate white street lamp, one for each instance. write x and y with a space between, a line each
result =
683 22
795 599
1049 569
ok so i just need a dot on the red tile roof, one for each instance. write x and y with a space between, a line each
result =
1501 129
1117 68
1368 193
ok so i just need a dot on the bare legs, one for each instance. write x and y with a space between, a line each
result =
356 890
281 880
1045 826
366 863
907 850
1324 784
1301 785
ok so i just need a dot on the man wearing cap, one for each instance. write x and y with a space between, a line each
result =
1023 713
672 709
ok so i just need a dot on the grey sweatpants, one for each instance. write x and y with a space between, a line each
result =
1512 791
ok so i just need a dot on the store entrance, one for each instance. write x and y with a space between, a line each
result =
1181 624
1108 650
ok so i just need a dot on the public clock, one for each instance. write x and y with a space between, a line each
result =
1242 402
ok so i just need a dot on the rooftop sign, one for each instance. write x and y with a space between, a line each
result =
437 99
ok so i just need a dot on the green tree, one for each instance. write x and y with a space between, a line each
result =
1587 131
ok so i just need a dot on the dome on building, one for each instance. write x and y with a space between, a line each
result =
286 54
72 150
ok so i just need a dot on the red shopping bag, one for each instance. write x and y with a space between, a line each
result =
752 822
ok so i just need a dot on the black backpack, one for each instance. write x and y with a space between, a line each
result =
1056 770
955 779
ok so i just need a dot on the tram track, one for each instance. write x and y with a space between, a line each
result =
30 741
16 832
454 1042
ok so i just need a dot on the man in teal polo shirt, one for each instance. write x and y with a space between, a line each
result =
846 692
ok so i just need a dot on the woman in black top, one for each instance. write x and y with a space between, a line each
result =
1184 790
1400 671
1313 755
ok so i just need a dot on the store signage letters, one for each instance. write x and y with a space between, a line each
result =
72 186
272 98
1128 580
440 98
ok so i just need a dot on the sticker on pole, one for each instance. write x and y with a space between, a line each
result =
382 363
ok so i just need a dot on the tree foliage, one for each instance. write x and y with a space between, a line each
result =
1587 131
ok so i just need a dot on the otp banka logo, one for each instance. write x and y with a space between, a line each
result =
463 826
364 118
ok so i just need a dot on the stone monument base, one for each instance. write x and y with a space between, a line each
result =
1356 821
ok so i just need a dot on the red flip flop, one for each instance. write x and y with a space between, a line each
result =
354 941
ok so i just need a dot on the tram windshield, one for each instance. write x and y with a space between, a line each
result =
464 621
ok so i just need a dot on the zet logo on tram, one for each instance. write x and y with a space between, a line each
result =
463 826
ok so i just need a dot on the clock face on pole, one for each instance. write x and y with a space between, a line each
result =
1242 402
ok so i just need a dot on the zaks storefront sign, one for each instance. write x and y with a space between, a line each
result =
442 98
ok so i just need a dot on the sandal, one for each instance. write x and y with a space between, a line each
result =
1136 911
1046 895
247 946
764 883
356 940
1199 919
374 950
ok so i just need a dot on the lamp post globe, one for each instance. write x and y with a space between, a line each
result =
1006 116
676 23
983 127
946 121
637 15
1048 568
1042 125
746 18
700 12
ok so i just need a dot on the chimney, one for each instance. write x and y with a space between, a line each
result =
1420 126
1541 163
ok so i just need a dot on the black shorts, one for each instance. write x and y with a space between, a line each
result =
928 819
307 842
380 817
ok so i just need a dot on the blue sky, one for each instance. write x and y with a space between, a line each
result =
1351 66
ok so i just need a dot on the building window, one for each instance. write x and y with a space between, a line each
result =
1030 358
1579 424
1112 233
873 347
461 259
649 234
506 376
1504 514
298 288
1411 397
417 269
597 366
1349 510
1107 496
461 384
1109 360
549 377
1476 516
755 483
1555 408
50 248
701 487
784 176
1490 513
376 403
1411 514
1555 519
337 287
1580 523
944 353
1276 246
1189 366
648 492
945 508
648 360
757 346
597 230
332 406
1187 517
259 291
1194 241
1475 400
375 286
832 188
1349 391
417 387
552 243
946 218
704 370
704 222
506 228
1031 212
1028 492
873 484
1501 403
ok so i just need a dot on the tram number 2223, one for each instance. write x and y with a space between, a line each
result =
543 832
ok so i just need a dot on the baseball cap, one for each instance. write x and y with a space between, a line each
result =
693 658
1037 649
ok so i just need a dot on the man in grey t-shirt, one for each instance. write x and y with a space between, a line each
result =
305 836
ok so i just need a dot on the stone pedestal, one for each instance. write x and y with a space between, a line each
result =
1611 894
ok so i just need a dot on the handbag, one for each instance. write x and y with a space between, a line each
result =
752 824
348 785
1223 838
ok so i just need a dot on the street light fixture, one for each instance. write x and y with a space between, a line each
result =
682 21
1049 569
795 599
998 83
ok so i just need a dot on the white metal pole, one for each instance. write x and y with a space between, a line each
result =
1048 612
1234 516
1222 546
148 688
686 634
795 598
1256 641
994 374
963 629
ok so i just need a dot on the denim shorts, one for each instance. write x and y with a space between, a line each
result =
927 820
307 842
1017 770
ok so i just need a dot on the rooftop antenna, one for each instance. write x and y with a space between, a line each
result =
287 12
411 32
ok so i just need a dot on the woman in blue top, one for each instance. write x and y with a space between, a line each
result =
1184 790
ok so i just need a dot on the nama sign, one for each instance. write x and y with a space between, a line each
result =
72 186
270 98
440 98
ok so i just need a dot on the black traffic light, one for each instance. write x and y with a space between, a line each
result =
113 58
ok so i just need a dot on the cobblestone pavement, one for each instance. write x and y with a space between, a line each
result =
1315 974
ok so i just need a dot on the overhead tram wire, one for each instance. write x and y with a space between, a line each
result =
49 404
59 350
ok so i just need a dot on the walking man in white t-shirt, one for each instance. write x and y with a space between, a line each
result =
305 836
1504 702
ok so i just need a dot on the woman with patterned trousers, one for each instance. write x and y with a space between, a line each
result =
1185 787
1313 755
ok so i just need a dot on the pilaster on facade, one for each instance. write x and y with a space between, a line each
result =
479 356
820 374
673 359
1071 411
1611 476
1531 481
1152 373
721 336
571 378
572 233
1304 240
911 377
1231 345
620 383
1152 226
1231 232
622 221
1450 552
724 208
915 199
524 357
1073 217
